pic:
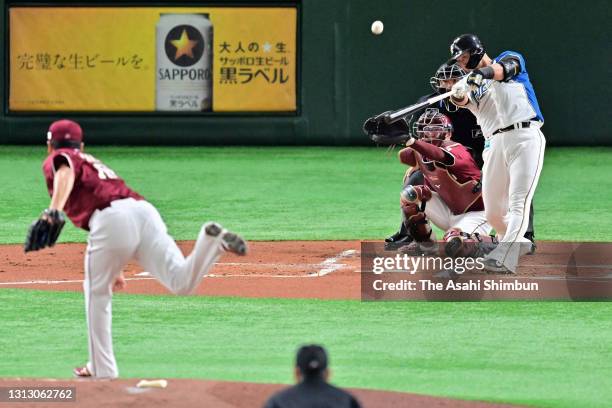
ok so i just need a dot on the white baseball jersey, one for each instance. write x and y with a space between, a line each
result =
497 105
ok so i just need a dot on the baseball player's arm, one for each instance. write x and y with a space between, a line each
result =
505 69
63 182
406 156
430 151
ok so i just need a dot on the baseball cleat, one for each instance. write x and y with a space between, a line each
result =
81 372
495 266
453 247
400 242
398 236
234 243
532 246
421 248
213 229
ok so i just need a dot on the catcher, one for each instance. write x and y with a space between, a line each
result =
450 196
122 225
465 131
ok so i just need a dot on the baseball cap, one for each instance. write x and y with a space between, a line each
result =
65 130
311 359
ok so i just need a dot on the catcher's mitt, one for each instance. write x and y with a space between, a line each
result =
45 230
388 134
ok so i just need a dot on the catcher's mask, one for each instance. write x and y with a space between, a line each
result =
432 127
444 79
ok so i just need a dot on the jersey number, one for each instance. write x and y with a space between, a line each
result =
103 172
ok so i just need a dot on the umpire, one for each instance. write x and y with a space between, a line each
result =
312 389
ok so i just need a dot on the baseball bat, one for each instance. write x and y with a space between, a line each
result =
395 116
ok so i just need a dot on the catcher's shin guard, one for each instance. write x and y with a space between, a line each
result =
413 200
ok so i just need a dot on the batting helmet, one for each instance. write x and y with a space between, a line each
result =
432 126
469 43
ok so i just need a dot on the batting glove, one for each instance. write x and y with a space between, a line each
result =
460 89
474 79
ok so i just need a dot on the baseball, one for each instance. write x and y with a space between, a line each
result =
377 27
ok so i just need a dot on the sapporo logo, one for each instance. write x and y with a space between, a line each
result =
184 45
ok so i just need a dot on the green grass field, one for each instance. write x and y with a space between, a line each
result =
299 193
555 354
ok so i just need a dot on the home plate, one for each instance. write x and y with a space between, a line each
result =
143 274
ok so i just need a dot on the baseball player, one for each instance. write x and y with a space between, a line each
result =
465 131
450 196
122 226
499 93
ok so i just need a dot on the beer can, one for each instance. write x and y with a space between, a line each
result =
184 45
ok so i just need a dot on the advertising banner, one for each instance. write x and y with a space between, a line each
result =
143 59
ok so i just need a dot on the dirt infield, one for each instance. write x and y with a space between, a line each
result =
288 269
296 269
217 394
308 269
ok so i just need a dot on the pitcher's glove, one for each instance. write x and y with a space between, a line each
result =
45 230
387 134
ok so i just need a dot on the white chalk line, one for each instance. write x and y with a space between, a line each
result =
328 266
332 264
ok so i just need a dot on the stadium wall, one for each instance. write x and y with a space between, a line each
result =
345 73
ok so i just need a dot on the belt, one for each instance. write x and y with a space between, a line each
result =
518 125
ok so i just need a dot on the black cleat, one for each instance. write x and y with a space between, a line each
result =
234 243
530 236
213 229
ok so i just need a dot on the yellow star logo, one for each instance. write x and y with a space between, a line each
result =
184 46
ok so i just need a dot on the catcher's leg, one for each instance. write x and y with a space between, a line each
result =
160 255
415 202
413 177
468 236
112 240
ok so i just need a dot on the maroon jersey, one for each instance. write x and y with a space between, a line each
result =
95 185
455 183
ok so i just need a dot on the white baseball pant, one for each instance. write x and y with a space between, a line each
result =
442 217
512 164
133 229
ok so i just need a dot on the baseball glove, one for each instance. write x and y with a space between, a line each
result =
45 230
387 134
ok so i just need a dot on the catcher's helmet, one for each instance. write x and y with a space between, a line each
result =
432 126
446 72
441 81
469 43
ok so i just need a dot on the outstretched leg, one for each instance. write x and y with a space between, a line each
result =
159 254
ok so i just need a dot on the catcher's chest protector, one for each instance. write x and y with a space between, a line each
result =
458 197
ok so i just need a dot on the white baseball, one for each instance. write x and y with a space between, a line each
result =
377 27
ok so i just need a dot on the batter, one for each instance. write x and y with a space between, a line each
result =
499 93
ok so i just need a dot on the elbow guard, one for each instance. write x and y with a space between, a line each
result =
511 67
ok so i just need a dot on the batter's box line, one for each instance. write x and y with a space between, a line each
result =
333 264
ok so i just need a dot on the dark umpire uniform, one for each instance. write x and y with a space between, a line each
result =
312 391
